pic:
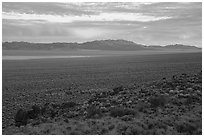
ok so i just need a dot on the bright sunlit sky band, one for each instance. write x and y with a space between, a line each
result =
145 23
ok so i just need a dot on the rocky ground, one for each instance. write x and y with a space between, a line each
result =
169 106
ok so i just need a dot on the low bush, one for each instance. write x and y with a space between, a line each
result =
48 110
93 112
35 112
141 106
21 117
158 101
116 90
68 105
193 99
184 127
119 112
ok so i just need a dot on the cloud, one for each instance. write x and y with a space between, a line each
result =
44 8
87 33
185 36
147 23
68 19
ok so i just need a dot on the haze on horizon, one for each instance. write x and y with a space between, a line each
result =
144 23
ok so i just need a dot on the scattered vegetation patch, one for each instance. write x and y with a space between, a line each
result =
192 99
116 90
190 127
158 101
68 105
153 110
120 112
93 112
21 117
142 106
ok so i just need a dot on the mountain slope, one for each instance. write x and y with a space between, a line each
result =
37 46
175 47
180 46
112 45
122 45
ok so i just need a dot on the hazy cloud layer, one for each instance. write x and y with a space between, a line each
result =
145 23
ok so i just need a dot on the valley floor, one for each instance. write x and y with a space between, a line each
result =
82 91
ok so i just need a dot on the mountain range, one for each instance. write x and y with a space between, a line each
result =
94 45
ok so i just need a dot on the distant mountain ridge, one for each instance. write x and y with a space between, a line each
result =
175 46
112 45
93 45
37 46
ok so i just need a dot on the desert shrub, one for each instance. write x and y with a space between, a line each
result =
55 106
111 127
127 129
93 112
36 109
137 130
189 101
119 112
48 110
103 131
189 124
192 99
116 90
93 98
21 117
121 129
158 101
52 109
68 105
185 127
197 87
141 106
35 112
174 77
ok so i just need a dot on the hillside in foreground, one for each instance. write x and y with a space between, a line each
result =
168 106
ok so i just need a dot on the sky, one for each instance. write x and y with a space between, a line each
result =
144 23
